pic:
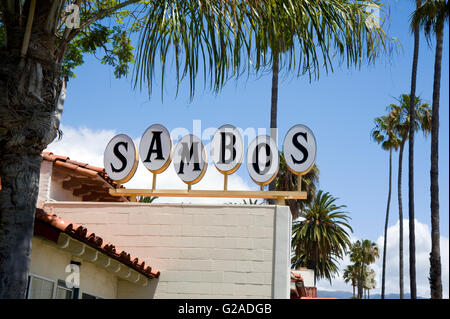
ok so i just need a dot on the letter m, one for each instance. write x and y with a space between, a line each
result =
187 154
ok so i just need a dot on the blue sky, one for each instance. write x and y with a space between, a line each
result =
339 108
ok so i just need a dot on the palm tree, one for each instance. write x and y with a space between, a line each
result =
251 202
34 42
351 274
384 134
369 281
401 120
147 199
288 181
363 253
432 15
412 236
299 28
320 237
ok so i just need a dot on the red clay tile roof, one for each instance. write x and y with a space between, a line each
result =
51 226
89 182
79 167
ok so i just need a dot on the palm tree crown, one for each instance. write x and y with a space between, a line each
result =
401 119
320 236
363 253
288 181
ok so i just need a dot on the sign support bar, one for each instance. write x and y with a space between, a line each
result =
280 196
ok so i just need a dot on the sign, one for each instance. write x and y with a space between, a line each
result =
120 158
263 160
190 157
227 149
299 149
156 149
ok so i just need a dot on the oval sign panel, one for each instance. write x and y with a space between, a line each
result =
190 159
227 149
156 148
299 148
120 158
263 160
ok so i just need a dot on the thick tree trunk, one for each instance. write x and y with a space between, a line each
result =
400 218
412 116
20 183
386 224
273 111
28 100
435 255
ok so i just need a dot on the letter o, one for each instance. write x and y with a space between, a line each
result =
263 160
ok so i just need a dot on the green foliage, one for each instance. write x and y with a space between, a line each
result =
108 38
231 36
252 202
393 129
363 253
400 114
320 236
431 16
287 181
147 199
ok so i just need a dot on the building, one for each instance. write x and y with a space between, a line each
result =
199 251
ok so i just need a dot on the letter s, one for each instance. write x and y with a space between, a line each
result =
120 157
300 147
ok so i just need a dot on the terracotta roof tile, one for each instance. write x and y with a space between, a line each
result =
81 233
82 168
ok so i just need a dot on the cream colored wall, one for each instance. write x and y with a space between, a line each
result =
50 262
44 183
202 251
58 193
51 189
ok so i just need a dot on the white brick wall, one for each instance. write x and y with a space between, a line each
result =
202 251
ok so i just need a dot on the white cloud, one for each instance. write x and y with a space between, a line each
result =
86 145
83 144
423 248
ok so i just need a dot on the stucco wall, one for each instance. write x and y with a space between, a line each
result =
50 262
202 251
58 193
44 183
50 189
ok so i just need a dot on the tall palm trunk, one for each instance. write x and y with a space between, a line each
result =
274 110
316 262
412 115
400 217
386 223
435 256
361 282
